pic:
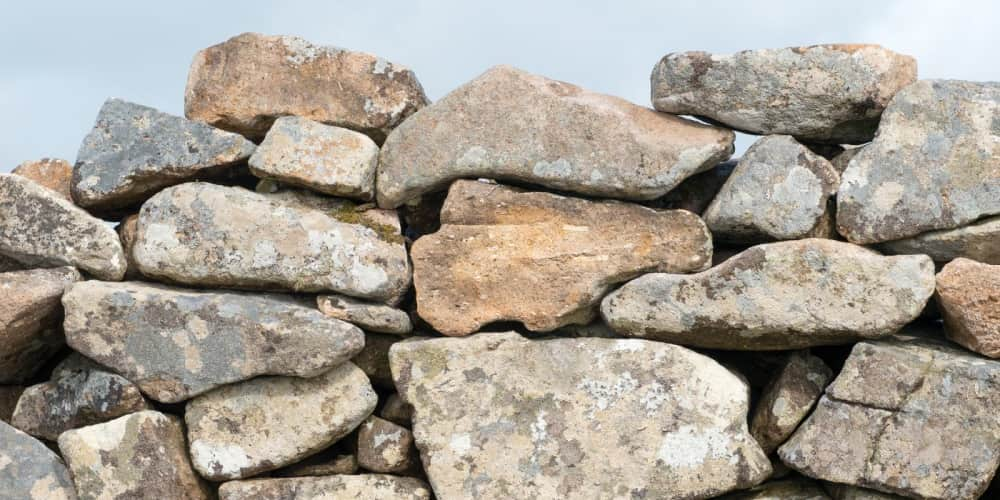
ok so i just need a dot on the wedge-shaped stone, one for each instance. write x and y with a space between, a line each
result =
978 241
824 93
9 394
52 173
369 316
788 398
512 125
384 446
175 344
542 259
783 295
29 470
500 416
968 295
934 165
364 486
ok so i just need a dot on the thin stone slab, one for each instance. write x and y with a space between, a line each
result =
362 486
366 315
53 173
788 399
977 241
968 296
29 470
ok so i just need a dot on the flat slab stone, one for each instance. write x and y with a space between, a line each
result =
968 295
977 241
508 124
28 469
53 173
363 486
788 398
366 315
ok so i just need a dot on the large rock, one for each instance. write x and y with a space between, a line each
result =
934 164
246 82
29 470
784 295
42 229
134 151
52 173
364 486
511 125
366 315
788 399
500 416
207 235
175 344
542 259
929 430
968 296
824 93
977 241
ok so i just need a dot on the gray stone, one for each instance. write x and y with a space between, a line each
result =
8 264
384 446
360 487
968 296
788 399
367 315
374 358
977 241
29 470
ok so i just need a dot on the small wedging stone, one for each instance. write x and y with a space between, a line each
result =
332 461
776 296
823 93
933 165
52 173
695 193
788 399
42 229
374 358
968 295
384 446
29 470
362 486
508 124
786 489
366 315
175 344
500 416
977 241
396 410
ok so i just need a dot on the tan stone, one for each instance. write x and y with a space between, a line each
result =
360 487
126 233
384 446
968 295
788 399
53 173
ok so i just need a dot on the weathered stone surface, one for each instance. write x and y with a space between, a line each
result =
848 492
788 398
126 234
73 364
977 241
331 160
968 295
8 264
52 173
244 429
175 344
500 416
787 489
29 470
369 316
396 410
779 191
246 82
30 313
934 165
364 486
374 358
784 295
42 229
141 455
387 447
324 463
542 259
823 93
508 124
929 431
201 234
698 191
842 160
9 395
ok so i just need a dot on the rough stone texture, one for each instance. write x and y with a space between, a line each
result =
126 234
928 432
396 410
321 464
842 160
968 295
374 358
511 125
784 295
175 344
246 82
141 455
362 487
9 395
934 165
201 234
848 492
369 316
30 313
244 429
331 160
788 399
73 364
500 416
29 470
52 173
698 191
779 191
542 259
387 447
824 93
134 151
977 241
8 264
787 489
42 229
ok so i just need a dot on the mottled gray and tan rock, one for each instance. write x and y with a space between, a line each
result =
384 446
364 487
366 315
141 455
75 363
934 165
207 235
575 418
698 191
508 124
53 173
542 259
927 433
823 93
9 395
842 160
321 464
786 489
784 295
779 191
968 295
788 398
244 429
175 343
396 410
246 82
29 470
42 229
126 234
374 358
977 241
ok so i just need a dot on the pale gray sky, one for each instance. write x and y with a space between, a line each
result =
60 60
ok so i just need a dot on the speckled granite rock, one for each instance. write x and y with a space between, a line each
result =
784 295
500 416
788 399
367 315
786 489
822 93
508 124
29 470
374 358
968 295
175 343
384 446
364 486
977 241
53 173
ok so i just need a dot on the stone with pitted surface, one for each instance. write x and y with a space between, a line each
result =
52 173
968 296
29 470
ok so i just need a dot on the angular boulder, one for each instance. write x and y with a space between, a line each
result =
968 296
29 470
977 241
363 486
788 399
386 447
366 315
52 173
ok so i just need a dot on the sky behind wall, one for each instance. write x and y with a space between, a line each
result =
59 61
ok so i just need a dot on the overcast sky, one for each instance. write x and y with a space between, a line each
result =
59 61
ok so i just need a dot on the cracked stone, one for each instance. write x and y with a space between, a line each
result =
29 470
968 296
363 486
788 399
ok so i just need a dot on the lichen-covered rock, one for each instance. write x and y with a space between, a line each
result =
374 358
934 165
246 82
175 344
134 151
906 416
42 229
500 416
29 470
784 295
698 191
968 296
977 241
824 93
788 399
364 486
366 315
207 235
244 429
786 489
52 173
511 125
141 455
779 191
542 259
396 410
384 446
